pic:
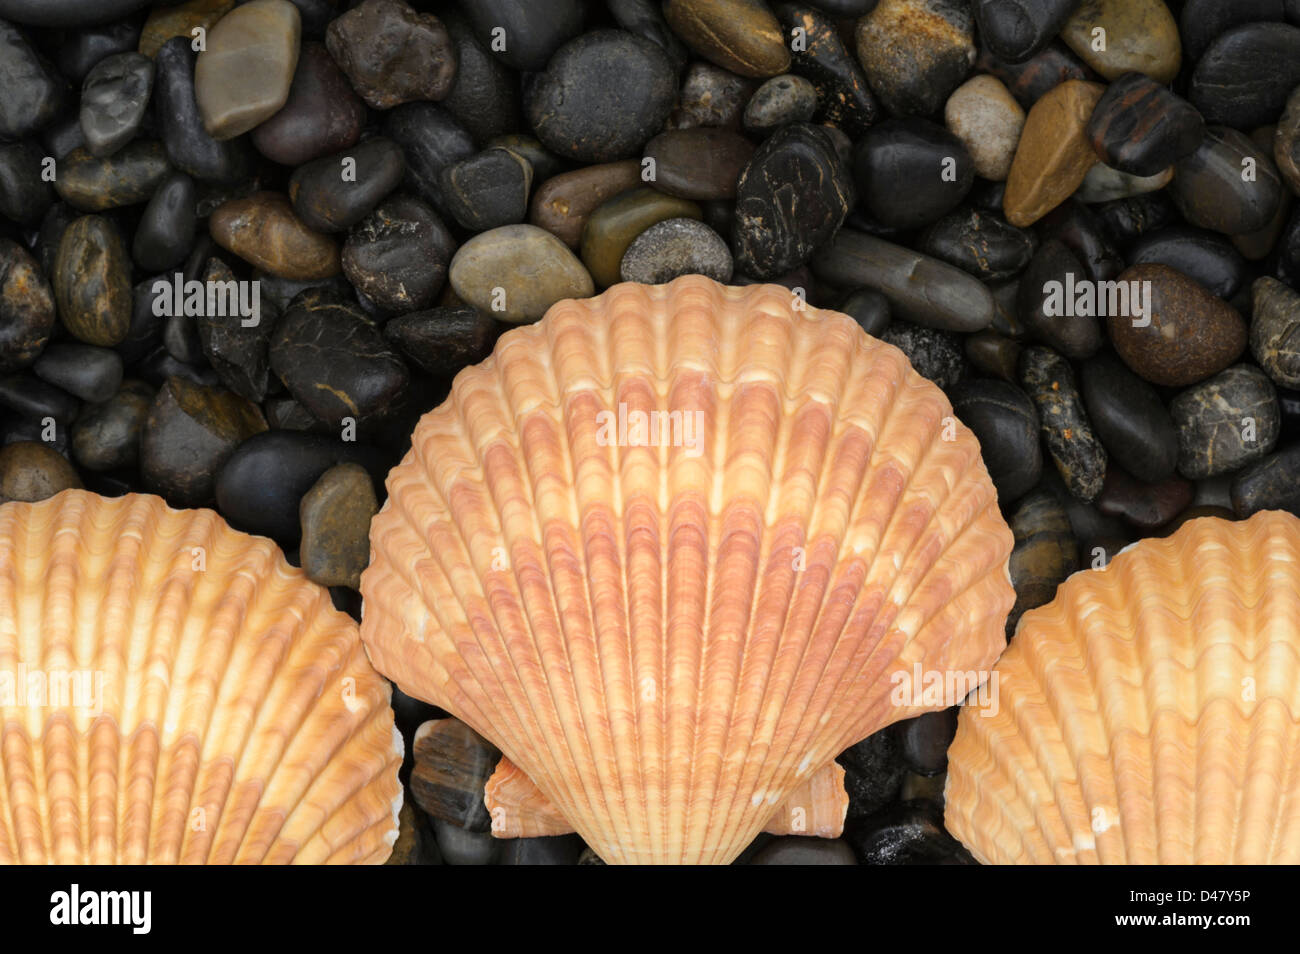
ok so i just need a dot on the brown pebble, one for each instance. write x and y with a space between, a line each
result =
335 516
1054 153
264 231
31 471
564 202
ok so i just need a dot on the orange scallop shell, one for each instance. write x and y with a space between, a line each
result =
172 691
670 632
1150 714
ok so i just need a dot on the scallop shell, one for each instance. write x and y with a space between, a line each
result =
1150 714
669 633
172 691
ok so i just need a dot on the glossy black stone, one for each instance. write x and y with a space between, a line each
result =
532 29
398 256
485 96
1246 75
1017 30
33 90
1005 422
87 372
188 145
910 833
1141 127
431 139
1201 21
868 307
909 172
441 341
873 772
925 740
334 193
844 97
981 243
1130 419
1211 192
167 226
1044 289
30 397
1205 256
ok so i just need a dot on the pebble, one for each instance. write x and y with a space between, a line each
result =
844 97
793 195
712 97
934 354
261 486
484 96
164 23
1204 20
167 226
80 50
176 112
1054 154
925 740
398 256
1286 143
243 76
1044 554
545 163
1272 483
431 140
911 172
1106 184
114 98
452 765
868 307
1207 257
1226 422
335 516
780 100
675 247
645 18
1130 419
88 372
516 272
334 360
988 121
1145 505
34 93
237 352
1210 190
1079 456
392 54
1017 30
1141 36
741 36
615 224
264 231
489 189
1004 420
1246 75
979 243
916 52
106 436
31 471
873 772
441 341
601 96
1028 82
189 433
31 398
563 203
533 29
700 164
910 833
24 197
1053 270
322 115
334 193
92 282
1141 127
26 307
128 177
801 850
1275 330
1191 334
920 289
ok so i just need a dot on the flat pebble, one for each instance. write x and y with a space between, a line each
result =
741 36
335 516
516 272
243 75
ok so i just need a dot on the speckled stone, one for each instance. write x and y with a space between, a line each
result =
710 96
31 471
26 307
916 52
1226 422
741 36
980 243
1079 456
780 100
844 97
516 272
1005 422
335 516
1141 36
1272 483
612 228
1054 154
934 354
984 115
1275 330
676 247
92 282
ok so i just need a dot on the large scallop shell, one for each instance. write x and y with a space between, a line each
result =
1150 714
172 691
669 643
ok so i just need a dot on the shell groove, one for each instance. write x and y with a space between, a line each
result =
172 691
1150 714
669 632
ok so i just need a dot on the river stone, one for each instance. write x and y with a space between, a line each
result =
398 256
264 231
1130 419
1054 154
920 289
710 96
700 164
441 341
916 52
190 432
484 96
1275 330
988 121
327 201
601 97
392 54
1191 334
612 227
1005 422
910 172
114 99
235 345
31 399
88 372
431 139
1078 454
335 516
1272 483
164 23
1202 21
780 100
1028 82
994 354
530 30
33 91
1246 75
180 124
1141 127
243 76
128 177
792 197
31 471
1076 336
844 97
488 190
26 307
1210 191
741 36
1016 30
516 272
322 115
92 282
563 203
979 243
165 235
676 247
1141 36
107 436
1205 256
1226 422
1146 506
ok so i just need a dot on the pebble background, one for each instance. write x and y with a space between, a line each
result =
408 180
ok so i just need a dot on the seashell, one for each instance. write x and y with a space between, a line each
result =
1150 714
172 691
667 548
